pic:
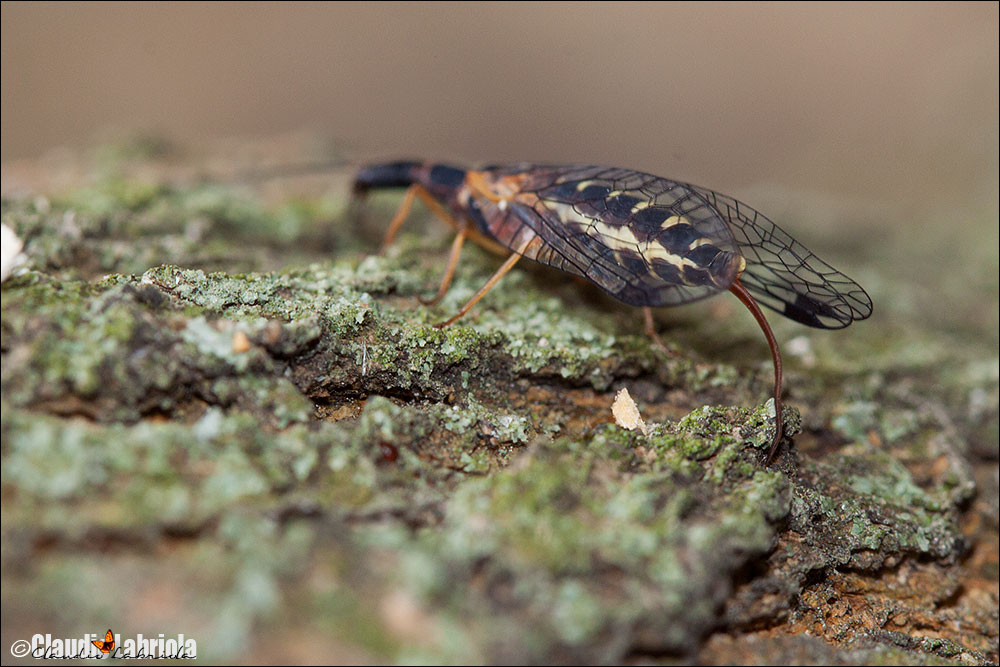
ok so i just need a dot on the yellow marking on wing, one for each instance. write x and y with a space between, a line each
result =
617 237
655 250
565 212
620 237
623 238
641 205
674 220
614 236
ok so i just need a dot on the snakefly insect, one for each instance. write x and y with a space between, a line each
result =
646 240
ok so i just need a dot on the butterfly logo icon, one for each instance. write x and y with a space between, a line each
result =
108 645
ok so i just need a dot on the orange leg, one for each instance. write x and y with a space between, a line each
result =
456 248
400 217
435 207
501 272
417 190
647 314
414 191
743 295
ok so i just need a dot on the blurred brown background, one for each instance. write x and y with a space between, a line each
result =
889 110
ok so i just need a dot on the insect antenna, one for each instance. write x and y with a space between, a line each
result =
743 295
266 173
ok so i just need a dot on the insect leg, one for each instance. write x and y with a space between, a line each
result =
417 190
501 272
456 248
741 293
414 191
647 314
435 207
401 215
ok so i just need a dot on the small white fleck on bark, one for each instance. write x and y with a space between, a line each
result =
10 249
627 413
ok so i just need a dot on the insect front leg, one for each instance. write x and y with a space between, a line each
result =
456 249
401 214
500 273
414 191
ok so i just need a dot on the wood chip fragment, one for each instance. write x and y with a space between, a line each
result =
627 413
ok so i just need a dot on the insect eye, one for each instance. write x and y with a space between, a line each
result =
445 176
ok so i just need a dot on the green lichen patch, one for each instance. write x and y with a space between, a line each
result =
241 411
580 550
126 352
118 224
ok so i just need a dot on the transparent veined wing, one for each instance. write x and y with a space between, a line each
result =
786 276
646 240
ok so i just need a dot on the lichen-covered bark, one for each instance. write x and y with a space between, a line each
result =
225 417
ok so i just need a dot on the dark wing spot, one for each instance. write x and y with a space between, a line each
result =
651 217
632 262
678 238
669 272
807 311
697 276
592 192
703 255
621 206
564 192
568 193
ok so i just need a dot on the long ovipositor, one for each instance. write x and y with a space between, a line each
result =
646 240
